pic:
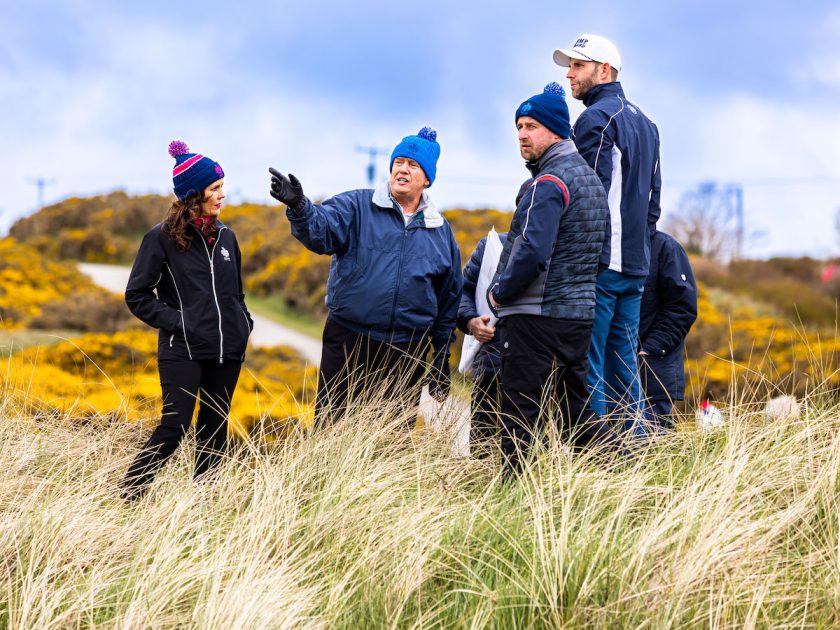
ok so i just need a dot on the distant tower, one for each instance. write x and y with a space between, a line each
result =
372 152
40 183
737 191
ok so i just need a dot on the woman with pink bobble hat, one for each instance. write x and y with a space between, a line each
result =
187 282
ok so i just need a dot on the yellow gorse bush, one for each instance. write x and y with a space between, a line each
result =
742 349
115 375
28 281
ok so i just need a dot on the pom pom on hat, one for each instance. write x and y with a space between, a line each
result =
178 147
423 148
428 133
193 172
555 88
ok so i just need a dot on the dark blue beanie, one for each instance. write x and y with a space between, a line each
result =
193 172
549 108
423 149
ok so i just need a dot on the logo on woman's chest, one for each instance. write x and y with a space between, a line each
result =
225 254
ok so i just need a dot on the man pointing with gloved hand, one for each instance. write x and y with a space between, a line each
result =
287 190
394 284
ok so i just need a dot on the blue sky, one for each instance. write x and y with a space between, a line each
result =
92 93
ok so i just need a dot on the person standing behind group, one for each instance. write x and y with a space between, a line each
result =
187 282
486 400
622 145
394 284
669 309
544 288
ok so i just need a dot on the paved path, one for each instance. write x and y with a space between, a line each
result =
452 416
266 332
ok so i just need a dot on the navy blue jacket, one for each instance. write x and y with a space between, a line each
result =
195 297
388 281
668 310
488 359
549 262
622 145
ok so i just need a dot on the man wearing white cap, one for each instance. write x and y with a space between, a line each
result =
622 145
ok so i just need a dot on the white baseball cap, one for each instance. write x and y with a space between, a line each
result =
590 48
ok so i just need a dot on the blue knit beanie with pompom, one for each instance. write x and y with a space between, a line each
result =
549 108
423 149
193 172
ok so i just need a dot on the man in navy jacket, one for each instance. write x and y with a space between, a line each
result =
622 145
544 287
395 280
669 308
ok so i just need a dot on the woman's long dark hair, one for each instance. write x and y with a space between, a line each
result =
178 217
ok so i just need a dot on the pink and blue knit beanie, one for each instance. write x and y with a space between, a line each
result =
193 172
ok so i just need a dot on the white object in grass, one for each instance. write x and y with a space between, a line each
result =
709 417
782 408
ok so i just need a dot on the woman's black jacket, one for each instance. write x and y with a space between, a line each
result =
200 307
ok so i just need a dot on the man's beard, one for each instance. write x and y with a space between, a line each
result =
584 85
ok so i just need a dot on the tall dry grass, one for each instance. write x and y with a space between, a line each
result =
365 525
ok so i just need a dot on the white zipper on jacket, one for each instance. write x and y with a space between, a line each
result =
181 304
210 254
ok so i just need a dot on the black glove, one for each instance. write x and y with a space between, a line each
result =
439 377
287 190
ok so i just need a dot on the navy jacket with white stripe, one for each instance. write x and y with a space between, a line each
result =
622 145
549 262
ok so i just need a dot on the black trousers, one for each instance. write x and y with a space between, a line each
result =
485 409
544 368
355 367
182 383
658 414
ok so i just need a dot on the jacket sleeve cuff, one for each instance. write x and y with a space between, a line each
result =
654 350
301 215
491 293
464 320
176 326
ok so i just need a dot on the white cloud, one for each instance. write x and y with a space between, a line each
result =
781 154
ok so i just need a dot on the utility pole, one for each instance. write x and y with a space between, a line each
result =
372 152
739 209
40 183
736 192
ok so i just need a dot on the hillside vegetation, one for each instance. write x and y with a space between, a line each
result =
72 349
760 321
38 293
114 376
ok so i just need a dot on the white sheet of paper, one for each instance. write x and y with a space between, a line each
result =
492 253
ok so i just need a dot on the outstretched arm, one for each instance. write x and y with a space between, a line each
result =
322 228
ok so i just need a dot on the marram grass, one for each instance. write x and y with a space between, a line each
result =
364 525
